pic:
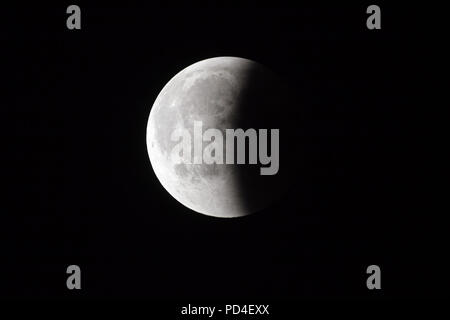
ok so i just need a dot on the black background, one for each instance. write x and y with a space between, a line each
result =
80 188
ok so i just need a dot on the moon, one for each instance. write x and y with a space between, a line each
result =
223 93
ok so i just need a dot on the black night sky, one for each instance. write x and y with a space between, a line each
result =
80 188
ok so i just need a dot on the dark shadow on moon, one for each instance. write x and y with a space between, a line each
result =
266 102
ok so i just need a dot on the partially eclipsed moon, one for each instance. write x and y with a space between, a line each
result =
223 93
